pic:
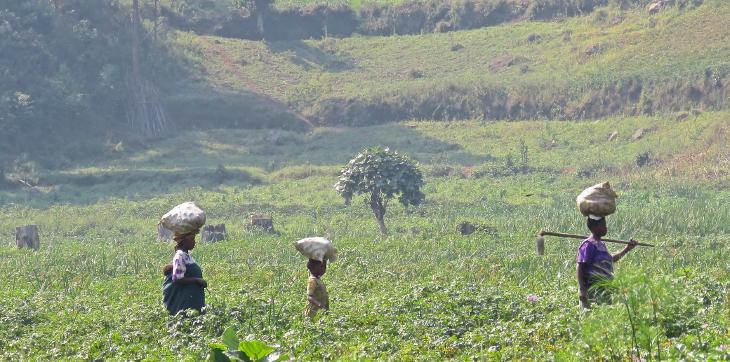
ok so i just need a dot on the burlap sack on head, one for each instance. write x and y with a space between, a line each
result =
184 218
598 200
316 248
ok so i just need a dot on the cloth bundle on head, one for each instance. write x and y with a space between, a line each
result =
184 219
316 248
597 201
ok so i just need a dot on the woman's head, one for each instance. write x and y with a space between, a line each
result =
317 268
597 226
185 241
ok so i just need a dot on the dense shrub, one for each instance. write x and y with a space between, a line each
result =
67 73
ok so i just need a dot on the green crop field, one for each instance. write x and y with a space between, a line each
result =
424 292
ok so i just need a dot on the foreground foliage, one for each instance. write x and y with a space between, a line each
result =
247 351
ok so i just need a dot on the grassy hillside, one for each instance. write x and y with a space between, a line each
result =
607 62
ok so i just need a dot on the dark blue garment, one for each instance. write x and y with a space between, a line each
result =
177 297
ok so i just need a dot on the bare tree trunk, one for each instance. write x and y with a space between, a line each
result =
376 203
324 26
145 114
260 22
135 42
157 16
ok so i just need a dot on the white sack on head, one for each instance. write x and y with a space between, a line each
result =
184 218
598 200
317 248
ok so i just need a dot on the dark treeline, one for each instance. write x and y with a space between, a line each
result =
257 19
64 74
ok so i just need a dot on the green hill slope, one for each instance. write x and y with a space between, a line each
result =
608 62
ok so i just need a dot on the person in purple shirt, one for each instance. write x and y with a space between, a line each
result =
595 263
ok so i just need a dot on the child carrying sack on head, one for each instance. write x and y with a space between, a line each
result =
319 251
317 297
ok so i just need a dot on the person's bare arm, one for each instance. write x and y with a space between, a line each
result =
311 287
196 281
632 244
581 271
316 302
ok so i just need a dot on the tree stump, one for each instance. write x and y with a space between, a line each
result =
468 228
656 7
264 222
465 228
639 134
213 233
27 237
164 234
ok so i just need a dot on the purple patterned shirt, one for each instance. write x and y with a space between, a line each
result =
179 264
596 256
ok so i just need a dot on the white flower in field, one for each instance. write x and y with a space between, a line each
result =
493 349
532 298
723 348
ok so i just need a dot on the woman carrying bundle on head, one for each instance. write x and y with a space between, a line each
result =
184 286
595 264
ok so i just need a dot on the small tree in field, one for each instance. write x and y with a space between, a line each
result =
381 175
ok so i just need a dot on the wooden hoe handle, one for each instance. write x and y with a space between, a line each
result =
543 233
